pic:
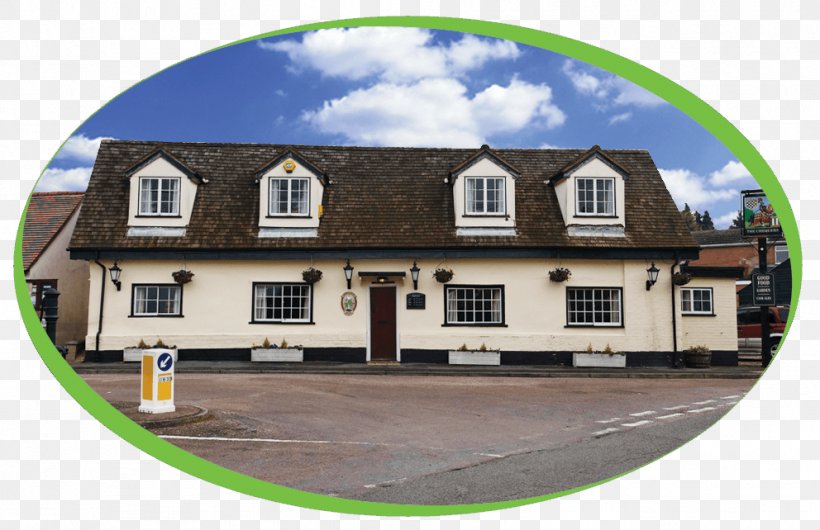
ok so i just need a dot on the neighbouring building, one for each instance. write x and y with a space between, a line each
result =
250 220
50 220
727 248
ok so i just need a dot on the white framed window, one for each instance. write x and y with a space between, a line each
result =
595 196
594 306
696 301
282 302
156 300
781 254
485 195
159 196
474 305
289 196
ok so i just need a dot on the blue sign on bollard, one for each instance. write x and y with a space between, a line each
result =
164 362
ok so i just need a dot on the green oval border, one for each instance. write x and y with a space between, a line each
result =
675 94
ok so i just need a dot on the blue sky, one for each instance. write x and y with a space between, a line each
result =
408 87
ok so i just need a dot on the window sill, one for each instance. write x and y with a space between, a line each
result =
449 325
494 215
698 314
602 326
595 216
157 216
156 316
288 216
282 323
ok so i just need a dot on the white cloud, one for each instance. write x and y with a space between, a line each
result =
725 220
391 54
609 89
74 179
435 112
689 187
81 148
731 172
620 118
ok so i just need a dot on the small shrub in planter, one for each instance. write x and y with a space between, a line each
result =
182 276
606 358
698 357
311 275
443 275
481 356
283 353
681 278
559 274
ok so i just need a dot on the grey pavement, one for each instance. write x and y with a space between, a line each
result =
402 439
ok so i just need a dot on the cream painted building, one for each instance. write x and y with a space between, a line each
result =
251 222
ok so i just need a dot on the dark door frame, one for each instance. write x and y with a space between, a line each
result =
370 319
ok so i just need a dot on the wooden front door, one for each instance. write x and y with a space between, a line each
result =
383 324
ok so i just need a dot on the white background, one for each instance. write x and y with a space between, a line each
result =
758 63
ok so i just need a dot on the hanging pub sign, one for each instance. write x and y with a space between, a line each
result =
763 289
759 217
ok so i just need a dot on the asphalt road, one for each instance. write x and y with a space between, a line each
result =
435 440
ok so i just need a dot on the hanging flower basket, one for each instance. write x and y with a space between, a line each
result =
681 278
443 275
559 274
311 275
182 276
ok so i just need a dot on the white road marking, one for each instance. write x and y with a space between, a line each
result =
704 409
673 415
610 420
272 440
385 483
677 407
730 397
606 431
644 413
731 403
637 423
489 454
706 402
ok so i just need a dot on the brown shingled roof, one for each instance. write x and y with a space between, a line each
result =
47 214
378 198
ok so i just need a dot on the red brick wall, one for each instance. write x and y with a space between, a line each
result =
745 256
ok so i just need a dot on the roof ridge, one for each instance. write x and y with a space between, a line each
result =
42 193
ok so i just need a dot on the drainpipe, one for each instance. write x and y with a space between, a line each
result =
102 301
674 316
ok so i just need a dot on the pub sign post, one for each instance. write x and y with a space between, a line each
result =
760 221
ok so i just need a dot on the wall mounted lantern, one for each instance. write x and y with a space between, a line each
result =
115 272
414 272
348 268
652 273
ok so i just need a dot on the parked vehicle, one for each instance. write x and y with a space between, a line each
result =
749 330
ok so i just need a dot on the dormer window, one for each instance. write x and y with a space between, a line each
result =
159 196
485 195
289 197
595 196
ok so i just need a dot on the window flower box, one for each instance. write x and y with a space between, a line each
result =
599 360
134 354
474 357
277 355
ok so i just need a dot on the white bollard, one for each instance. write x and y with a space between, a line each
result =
157 394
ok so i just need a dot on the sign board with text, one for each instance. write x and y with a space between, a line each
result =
763 289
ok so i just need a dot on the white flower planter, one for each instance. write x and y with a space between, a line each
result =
277 355
134 355
598 360
485 358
